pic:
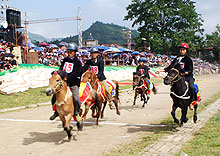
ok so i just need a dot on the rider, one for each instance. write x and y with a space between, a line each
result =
186 65
143 69
97 66
72 65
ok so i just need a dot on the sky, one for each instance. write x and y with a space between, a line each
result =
107 11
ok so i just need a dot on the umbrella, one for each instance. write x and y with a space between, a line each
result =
85 53
38 49
135 53
60 51
53 46
8 55
144 53
63 43
124 55
43 44
159 55
2 50
151 54
115 55
172 57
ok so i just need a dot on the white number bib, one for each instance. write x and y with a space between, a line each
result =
94 69
141 71
182 65
68 67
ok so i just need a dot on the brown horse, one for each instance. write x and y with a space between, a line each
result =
64 100
141 89
91 77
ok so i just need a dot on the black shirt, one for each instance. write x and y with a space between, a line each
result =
185 63
72 66
143 70
96 66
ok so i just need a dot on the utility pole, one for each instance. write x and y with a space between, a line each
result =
26 34
79 26
127 35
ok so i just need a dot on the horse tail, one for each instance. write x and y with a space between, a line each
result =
154 89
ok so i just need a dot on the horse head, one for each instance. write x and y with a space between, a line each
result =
137 79
90 77
172 76
56 82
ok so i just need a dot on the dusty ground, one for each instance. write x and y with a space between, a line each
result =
39 137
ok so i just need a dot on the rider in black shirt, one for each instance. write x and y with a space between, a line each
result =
143 69
186 66
97 66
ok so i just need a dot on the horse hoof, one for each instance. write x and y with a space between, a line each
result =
79 126
195 119
70 137
102 116
176 121
143 106
118 113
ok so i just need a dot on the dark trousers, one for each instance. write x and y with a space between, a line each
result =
76 100
190 81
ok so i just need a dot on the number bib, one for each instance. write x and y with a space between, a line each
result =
182 65
94 69
141 71
68 67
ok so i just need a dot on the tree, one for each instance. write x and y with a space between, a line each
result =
166 23
213 41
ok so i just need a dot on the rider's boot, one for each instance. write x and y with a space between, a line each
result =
54 115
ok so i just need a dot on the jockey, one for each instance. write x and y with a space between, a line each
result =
143 69
97 66
186 65
72 66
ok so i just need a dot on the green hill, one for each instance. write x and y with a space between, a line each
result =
104 33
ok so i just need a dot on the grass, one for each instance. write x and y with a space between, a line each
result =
207 140
150 135
31 96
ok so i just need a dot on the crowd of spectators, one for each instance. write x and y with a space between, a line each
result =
51 56
7 59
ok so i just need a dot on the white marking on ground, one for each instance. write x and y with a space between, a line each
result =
100 123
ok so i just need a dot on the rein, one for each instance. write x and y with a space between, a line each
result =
59 85
172 82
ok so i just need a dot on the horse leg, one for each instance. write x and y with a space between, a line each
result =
135 97
173 113
195 113
143 95
184 119
65 126
97 115
116 106
102 112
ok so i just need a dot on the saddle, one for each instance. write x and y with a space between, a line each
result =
197 93
150 86
101 88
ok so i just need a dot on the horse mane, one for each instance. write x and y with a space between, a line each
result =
137 73
61 73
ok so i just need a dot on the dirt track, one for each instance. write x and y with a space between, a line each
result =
43 138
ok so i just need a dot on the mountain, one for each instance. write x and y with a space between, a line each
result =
36 37
104 33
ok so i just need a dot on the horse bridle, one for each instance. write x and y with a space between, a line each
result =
61 84
173 78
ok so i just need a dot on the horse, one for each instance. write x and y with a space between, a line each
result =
90 76
64 101
140 88
180 95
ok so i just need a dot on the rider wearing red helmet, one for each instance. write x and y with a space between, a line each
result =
186 66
